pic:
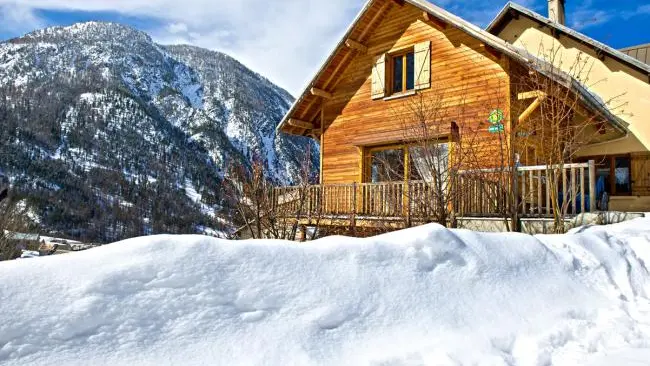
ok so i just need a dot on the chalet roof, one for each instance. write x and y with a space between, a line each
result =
369 11
640 52
22 236
512 10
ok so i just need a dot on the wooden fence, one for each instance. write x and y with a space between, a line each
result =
534 191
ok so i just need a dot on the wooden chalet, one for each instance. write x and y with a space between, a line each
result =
402 53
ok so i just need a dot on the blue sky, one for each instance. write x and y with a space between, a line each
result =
287 40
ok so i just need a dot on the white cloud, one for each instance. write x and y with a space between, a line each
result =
587 17
283 40
18 19
641 10
175 28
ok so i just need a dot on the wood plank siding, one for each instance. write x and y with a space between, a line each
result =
640 172
470 80
488 104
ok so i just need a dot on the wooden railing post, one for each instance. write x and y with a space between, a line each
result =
592 186
354 206
407 203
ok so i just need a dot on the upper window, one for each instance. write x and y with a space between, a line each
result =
403 72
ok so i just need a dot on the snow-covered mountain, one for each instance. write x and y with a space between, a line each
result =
111 135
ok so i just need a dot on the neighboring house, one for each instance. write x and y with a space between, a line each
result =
621 76
640 52
22 240
397 53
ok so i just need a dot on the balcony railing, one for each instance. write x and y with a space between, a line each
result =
533 191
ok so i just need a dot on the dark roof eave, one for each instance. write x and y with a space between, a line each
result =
311 83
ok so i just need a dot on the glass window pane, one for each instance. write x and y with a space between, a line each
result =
410 71
602 181
622 175
387 166
398 64
429 162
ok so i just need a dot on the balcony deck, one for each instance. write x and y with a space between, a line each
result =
533 192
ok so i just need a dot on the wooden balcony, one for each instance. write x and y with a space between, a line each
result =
533 191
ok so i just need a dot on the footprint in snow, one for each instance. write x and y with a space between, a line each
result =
253 316
428 260
332 318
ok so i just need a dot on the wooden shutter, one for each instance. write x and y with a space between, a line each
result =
379 77
423 65
640 176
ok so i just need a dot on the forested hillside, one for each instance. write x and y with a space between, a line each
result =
110 135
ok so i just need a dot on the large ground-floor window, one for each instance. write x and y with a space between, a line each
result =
400 162
613 174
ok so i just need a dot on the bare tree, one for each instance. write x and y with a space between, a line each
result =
450 150
13 219
267 211
554 123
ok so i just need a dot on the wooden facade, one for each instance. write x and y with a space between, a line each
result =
353 109
462 72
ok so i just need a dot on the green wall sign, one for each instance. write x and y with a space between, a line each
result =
496 128
496 119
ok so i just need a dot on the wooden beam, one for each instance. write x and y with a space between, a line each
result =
555 33
332 79
531 108
514 14
302 124
434 21
322 142
491 50
321 93
600 54
338 69
375 18
399 2
351 43
531 94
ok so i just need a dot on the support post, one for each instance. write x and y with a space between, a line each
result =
592 186
406 202
353 220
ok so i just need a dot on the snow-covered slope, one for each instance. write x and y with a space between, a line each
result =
89 111
424 296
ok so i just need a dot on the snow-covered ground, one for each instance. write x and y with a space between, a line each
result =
424 296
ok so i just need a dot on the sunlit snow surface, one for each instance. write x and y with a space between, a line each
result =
425 296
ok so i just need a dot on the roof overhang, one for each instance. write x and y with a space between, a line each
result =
514 11
515 53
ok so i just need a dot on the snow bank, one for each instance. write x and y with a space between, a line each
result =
424 296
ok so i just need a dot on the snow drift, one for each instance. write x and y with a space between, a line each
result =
424 296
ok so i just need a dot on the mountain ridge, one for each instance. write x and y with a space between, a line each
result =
160 124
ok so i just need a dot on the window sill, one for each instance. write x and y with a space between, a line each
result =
400 95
